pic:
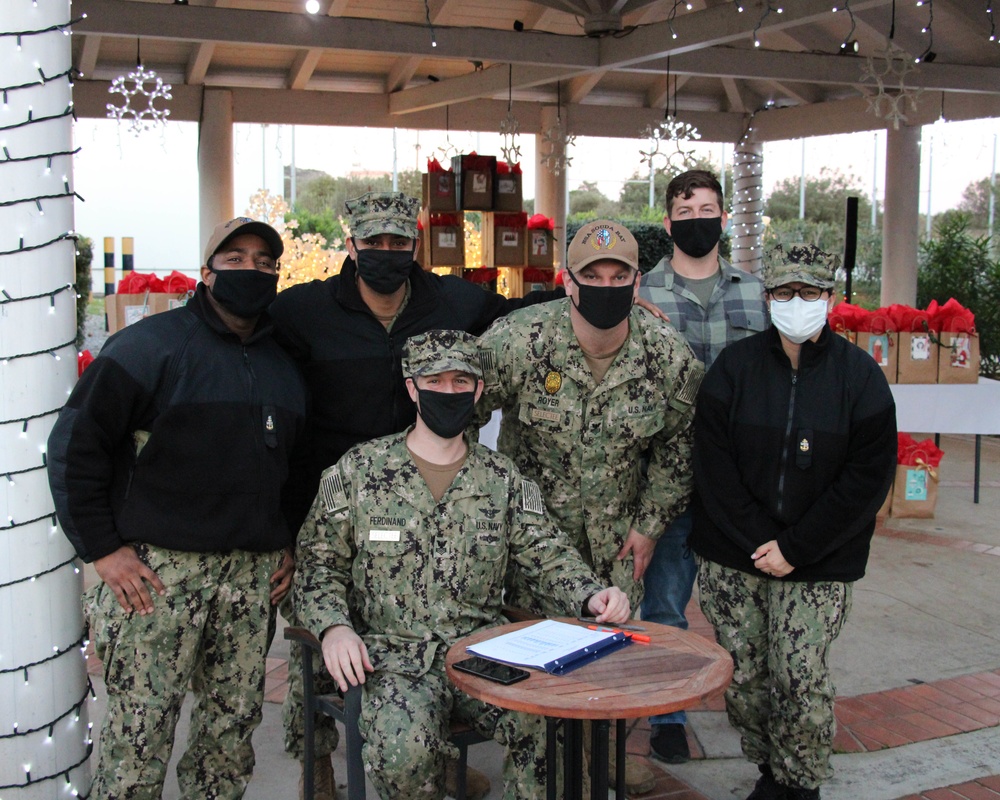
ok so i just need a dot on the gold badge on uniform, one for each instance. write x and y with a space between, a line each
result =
804 446
552 382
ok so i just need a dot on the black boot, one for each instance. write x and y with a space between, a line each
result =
799 793
767 787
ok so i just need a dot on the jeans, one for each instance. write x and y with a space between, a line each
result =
668 582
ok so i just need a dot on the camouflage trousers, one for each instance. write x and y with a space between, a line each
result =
210 630
292 716
405 722
779 634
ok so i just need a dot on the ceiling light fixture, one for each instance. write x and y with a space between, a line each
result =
312 6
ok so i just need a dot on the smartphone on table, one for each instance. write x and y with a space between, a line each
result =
491 670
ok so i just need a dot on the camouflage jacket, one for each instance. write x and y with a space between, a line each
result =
736 309
412 575
581 442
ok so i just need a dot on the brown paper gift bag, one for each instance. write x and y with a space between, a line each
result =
127 309
918 357
958 361
883 348
439 191
914 492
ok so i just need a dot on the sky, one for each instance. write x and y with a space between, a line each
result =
146 186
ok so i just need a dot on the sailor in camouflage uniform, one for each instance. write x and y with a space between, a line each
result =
588 385
585 395
404 552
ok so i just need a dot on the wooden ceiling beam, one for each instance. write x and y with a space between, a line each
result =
87 62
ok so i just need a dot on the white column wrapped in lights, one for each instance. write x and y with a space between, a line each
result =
44 732
748 204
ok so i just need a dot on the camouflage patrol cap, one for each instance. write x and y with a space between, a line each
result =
383 212
439 351
599 241
799 263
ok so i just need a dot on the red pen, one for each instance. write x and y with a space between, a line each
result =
640 638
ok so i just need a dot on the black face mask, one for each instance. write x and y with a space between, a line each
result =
384 270
696 237
604 306
446 414
244 292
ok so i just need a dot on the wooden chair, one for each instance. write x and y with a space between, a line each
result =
346 709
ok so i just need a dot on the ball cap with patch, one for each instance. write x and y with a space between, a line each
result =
439 351
601 240
236 227
375 213
799 263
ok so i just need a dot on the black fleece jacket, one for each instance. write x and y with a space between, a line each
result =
222 417
802 457
352 364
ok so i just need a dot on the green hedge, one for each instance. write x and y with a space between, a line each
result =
84 283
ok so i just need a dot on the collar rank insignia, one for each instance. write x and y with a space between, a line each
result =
269 424
804 446
553 381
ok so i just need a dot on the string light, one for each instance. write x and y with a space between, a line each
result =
846 44
928 55
509 126
38 70
993 27
767 10
558 139
427 14
447 150
888 69
142 119
670 129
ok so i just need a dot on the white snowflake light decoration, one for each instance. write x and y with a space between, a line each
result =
670 130
888 70
558 140
140 119
510 150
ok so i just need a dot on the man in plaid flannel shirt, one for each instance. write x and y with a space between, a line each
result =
712 304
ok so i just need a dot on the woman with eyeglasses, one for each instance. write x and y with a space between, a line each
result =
795 447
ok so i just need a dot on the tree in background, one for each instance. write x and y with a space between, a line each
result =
826 198
956 263
634 197
588 202
976 203
319 202
826 211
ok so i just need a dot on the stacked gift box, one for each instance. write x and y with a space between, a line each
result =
938 344
517 253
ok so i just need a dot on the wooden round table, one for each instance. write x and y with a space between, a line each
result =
676 670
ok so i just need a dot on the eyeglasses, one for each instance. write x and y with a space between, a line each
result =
808 293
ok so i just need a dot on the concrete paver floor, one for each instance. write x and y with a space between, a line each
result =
917 670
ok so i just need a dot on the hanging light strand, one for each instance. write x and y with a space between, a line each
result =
767 10
927 55
854 24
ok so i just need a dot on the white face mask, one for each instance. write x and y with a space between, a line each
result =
798 320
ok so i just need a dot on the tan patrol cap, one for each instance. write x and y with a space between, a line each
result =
235 227
601 240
